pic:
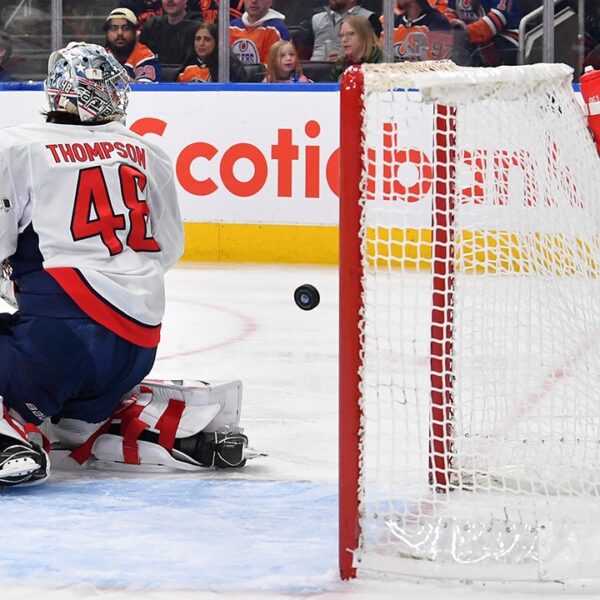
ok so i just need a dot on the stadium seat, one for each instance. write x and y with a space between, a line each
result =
255 72
317 70
566 30
169 72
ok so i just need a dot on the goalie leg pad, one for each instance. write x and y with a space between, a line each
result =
176 425
206 406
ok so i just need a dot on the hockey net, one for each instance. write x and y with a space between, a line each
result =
469 324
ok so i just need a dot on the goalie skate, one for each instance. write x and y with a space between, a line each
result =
20 462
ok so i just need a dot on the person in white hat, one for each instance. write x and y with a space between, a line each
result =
138 60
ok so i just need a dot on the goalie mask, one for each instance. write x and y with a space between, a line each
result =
87 81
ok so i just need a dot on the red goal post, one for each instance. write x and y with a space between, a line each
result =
469 437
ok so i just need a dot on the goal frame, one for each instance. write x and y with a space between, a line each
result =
350 291
350 302
464 465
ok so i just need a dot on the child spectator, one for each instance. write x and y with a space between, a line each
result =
202 65
359 45
421 32
324 27
492 27
252 35
283 65
170 35
139 61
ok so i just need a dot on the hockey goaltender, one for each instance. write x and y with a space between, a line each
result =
89 224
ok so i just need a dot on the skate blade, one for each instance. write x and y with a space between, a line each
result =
18 467
250 453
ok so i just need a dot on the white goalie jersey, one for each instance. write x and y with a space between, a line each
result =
94 206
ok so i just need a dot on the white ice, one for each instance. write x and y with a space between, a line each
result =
266 531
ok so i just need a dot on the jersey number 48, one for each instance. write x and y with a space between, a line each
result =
93 213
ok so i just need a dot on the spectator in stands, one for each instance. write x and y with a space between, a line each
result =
492 28
209 9
359 45
283 65
421 32
170 35
143 9
324 27
5 52
205 10
202 65
252 35
139 61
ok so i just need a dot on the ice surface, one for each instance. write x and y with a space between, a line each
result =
266 531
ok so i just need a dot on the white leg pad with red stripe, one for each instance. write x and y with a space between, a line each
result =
159 411
208 406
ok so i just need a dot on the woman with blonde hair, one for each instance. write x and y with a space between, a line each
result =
283 65
359 44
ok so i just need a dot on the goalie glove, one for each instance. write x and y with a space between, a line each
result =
215 449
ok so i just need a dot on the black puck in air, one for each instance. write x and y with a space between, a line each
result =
307 297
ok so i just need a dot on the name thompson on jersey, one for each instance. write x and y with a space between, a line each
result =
97 151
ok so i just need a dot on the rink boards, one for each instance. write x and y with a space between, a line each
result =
257 166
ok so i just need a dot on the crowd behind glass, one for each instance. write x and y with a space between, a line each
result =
281 41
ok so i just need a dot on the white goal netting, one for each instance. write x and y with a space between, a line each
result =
480 376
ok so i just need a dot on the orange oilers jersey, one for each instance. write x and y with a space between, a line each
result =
419 43
440 5
429 37
486 19
199 73
252 44
142 65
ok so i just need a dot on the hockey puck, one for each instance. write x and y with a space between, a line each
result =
307 297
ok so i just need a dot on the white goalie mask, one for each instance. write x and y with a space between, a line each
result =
86 80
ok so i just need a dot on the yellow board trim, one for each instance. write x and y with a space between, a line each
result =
475 251
493 252
263 243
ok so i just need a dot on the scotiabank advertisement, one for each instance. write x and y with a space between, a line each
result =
239 156
272 156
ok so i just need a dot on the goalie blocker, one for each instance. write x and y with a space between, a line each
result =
160 426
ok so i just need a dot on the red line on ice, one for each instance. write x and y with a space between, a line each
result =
247 329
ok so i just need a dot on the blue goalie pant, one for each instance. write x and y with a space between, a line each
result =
66 367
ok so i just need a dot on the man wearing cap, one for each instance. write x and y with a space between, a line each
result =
138 60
